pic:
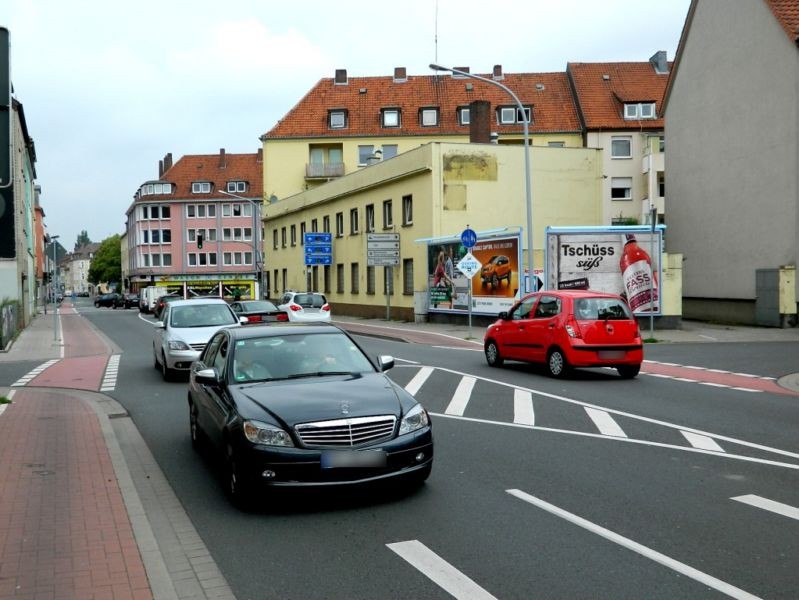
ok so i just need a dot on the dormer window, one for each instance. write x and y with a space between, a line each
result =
337 119
237 186
429 117
201 187
640 110
155 188
507 115
390 117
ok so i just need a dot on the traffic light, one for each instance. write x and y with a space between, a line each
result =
199 239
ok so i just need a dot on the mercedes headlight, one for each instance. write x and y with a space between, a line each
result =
266 435
416 418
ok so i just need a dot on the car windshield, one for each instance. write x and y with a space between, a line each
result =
309 300
258 306
299 355
208 315
600 309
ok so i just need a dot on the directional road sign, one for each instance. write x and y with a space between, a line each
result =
469 265
382 249
318 248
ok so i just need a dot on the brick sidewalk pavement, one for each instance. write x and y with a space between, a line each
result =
64 528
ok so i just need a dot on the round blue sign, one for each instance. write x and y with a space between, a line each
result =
468 238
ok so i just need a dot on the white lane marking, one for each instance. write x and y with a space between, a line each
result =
786 510
26 379
415 384
741 389
111 372
605 423
711 384
721 438
523 412
599 436
456 348
707 337
60 332
457 406
439 571
702 441
654 555
406 329
11 394
411 362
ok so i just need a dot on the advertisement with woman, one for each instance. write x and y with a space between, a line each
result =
494 288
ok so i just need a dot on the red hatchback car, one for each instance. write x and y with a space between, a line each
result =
567 328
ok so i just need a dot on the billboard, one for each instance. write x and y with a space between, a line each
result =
619 260
494 288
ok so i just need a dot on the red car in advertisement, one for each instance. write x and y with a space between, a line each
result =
566 329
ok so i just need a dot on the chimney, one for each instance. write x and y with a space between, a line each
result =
498 76
160 169
167 162
400 75
480 122
659 62
341 77
222 163
259 157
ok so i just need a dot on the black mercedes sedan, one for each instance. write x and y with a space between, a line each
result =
296 405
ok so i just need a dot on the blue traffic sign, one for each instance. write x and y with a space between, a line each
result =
318 238
468 238
324 259
318 248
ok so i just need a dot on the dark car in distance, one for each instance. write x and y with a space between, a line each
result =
127 300
259 311
294 405
162 301
564 329
107 300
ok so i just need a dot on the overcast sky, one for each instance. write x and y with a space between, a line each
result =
109 88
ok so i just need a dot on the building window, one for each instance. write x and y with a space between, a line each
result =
661 186
227 234
640 110
370 280
511 114
314 278
339 224
464 117
353 221
201 187
283 237
237 212
166 260
192 259
370 218
337 119
389 151
340 278
293 235
165 210
226 210
314 226
285 276
364 152
621 188
302 233
429 117
247 234
201 211
156 260
388 219
236 186
274 239
211 210
191 211
391 117
407 210
661 144
407 276
326 277
326 224
354 278
621 147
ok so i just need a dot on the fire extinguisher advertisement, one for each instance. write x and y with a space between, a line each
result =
619 260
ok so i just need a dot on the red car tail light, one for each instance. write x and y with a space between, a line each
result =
572 328
326 307
255 318
295 307
282 317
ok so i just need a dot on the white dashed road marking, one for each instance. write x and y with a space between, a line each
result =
457 406
779 508
702 442
111 372
22 381
605 423
440 571
415 384
523 412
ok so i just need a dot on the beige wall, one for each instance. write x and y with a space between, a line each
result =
453 185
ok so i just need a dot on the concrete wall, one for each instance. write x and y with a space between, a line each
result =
733 189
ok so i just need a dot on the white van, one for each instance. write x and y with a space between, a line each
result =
149 295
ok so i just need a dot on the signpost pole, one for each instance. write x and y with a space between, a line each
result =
653 218
389 282
469 239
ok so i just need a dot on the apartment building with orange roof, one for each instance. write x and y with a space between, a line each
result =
196 229
732 114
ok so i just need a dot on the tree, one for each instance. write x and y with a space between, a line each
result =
83 239
107 262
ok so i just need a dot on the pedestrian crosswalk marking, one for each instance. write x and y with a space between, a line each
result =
457 406
523 413
26 379
418 380
701 441
111 372
605 423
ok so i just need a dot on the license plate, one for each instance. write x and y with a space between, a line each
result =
353 458
611 354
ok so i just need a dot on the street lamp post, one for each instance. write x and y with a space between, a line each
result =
259 265
527 185
54 286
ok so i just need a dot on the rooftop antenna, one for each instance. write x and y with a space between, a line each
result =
435 36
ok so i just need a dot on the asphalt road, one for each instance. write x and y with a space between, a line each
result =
650 488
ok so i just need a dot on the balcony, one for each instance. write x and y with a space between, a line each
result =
323 170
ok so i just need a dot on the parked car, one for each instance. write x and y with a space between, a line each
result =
127 300
304 406
564 329
183 332
259 311
162 301
495 270
305 307
107 300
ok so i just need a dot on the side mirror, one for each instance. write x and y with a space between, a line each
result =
386 362
207 376
504 315
160 325
244 320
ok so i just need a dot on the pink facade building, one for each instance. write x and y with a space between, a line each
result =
196 229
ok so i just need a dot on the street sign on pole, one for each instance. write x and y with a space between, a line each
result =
468 238
469 265
318 251
382 249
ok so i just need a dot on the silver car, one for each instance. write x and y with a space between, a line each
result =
184 330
